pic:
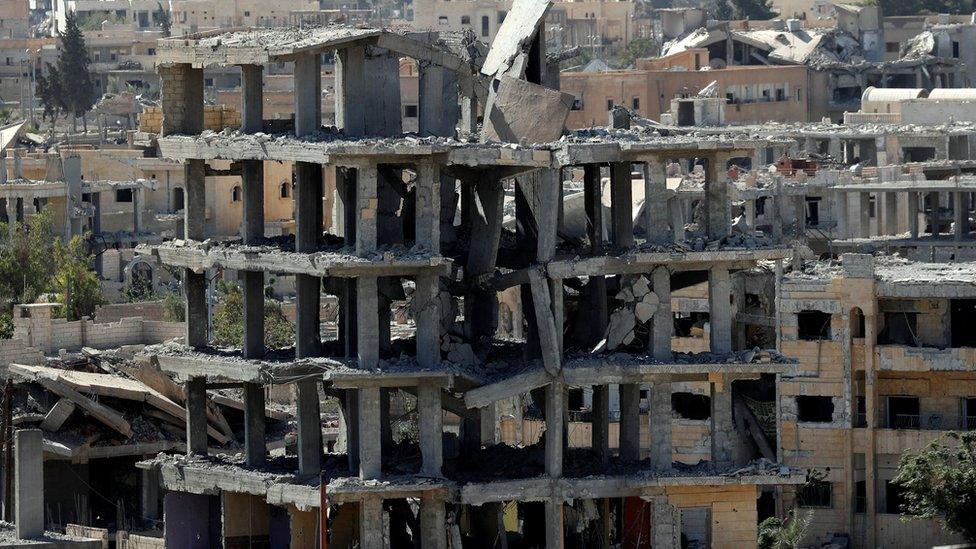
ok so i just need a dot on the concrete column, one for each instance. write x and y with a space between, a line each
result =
863 209
136 210
149 494
601 422
428 206
252 98
665 524
800 210
366 204
621 206
913 214
960 209
841 215
431 427
554 523
555 424
351 87
195 293
935 213
181 98
890 213
308 232
254 421
252 231
438 109
716 198
656 204
663 324
433 522
372 531
309 427
661 426
629 422
427 312
370 437
677 219
349 426
96 202
720 310
11 216
196 415
195 203
308 94
723 430
29 483
367 322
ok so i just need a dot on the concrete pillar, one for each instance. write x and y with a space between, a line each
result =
438 108
841 214
554 523
349 410
629 422
430 420
11 216
656 204
254 421
661 426
665 524
252 231
890 214
350 88
195 284
308 94
252 98
913 214
309 427
370 439
428 206
366 205
29 483
960 209
96 202
716 198
308 232
800 210
196 415
663 324
427 313
372 531
433 522
149 494
621 206
181 99
720 310
555 424
723 430
935 213
195 294
677 219
601 422
863 209
367 322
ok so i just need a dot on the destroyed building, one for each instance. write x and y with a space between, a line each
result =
396 199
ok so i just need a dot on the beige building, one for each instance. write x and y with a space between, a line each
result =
754 94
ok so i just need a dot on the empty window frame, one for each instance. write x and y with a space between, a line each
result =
691 406
813 325
814 409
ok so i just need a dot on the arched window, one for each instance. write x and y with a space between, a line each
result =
235 194
284 190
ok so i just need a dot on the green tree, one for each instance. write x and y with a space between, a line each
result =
75 282
228 323
723 10
164 19
51 95
27 259
77 83
637 49
940 482
759 10
777 533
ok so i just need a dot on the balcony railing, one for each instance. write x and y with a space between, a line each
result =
860 419
905 421
969 423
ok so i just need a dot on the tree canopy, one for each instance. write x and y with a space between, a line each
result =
228 323
939 481
68 87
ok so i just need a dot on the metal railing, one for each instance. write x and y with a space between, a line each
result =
969 423
906 421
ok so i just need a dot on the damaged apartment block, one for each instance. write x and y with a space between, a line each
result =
455 227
